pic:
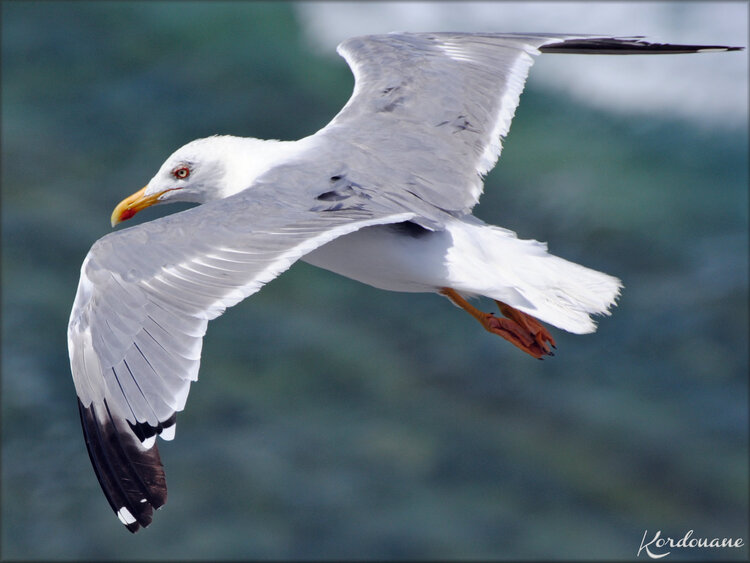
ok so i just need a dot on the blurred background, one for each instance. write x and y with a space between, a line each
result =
332 420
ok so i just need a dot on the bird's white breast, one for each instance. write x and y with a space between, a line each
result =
386 257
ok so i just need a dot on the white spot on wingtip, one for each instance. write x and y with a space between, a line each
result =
142 500
168 432
125 517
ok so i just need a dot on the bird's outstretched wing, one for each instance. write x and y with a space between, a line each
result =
439 104
144 299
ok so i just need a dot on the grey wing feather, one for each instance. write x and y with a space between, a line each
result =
144 300
430 110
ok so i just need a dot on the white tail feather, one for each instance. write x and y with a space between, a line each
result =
493 262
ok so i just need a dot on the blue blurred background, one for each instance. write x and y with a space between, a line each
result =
332 420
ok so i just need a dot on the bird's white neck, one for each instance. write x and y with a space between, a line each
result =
251 158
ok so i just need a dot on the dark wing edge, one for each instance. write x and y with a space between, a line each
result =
131 476
627 46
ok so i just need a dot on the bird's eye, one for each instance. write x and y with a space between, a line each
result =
181 173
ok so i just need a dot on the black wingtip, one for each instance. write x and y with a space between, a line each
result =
627 46
131 477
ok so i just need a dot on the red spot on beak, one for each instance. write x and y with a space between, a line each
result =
127 214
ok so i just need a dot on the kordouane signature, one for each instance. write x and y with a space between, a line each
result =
657 546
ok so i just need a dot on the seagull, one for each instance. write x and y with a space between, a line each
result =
382 194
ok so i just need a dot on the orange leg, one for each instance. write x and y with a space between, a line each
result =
520 329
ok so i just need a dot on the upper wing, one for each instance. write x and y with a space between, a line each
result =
144 299
430 110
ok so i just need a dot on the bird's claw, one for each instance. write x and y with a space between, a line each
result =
521 330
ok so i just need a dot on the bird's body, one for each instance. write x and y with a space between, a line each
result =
476 260
383 194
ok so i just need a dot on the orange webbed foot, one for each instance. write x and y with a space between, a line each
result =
520 329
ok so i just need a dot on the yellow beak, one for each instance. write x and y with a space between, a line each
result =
132 205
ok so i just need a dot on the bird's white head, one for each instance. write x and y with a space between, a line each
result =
204 170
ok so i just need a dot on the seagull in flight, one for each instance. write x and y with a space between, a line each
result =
382 194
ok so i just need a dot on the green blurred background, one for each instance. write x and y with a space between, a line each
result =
333 420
